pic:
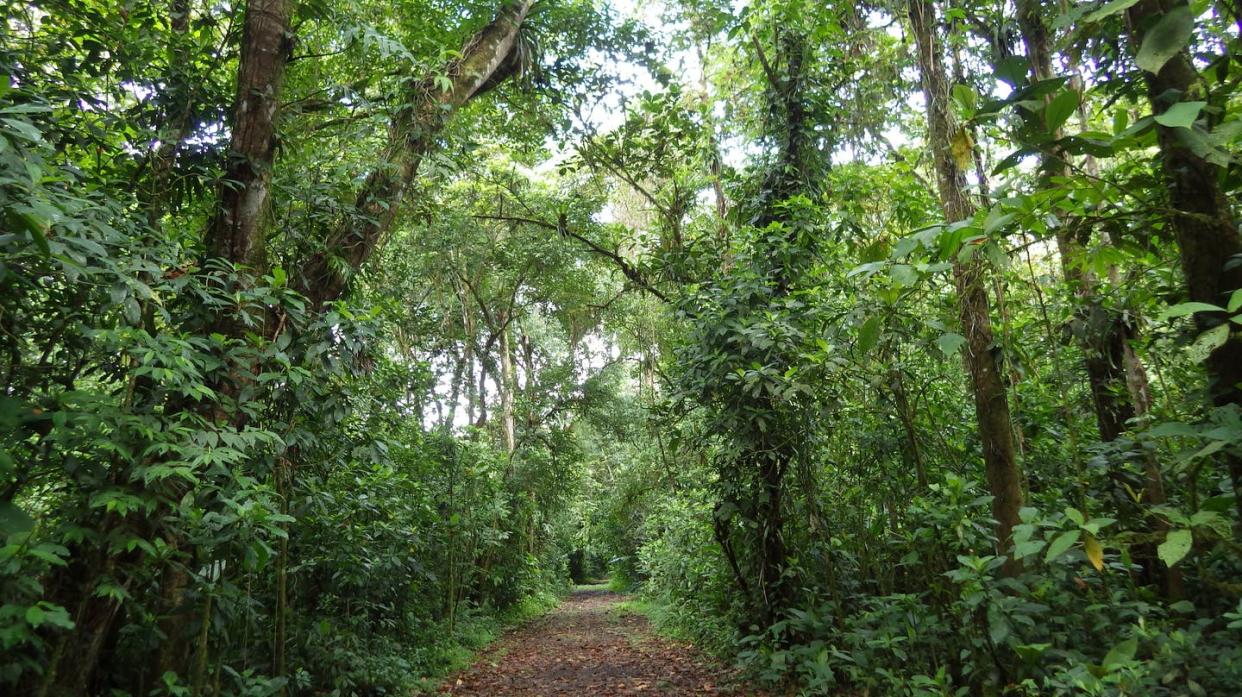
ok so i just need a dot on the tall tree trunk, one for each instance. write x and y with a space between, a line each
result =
236 235
991 403
486 60
236 231
905 412
507 385
1102 334
1201 218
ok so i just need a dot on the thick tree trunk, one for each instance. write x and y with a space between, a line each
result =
235 235
236 232
1201 219
991 403
487 59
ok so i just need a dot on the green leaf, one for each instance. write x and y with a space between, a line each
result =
1181 115
1031 652
996 220
950 342
869 334
1109 8
1075 515
1235 301
1012 70
14 520
1183 309
1059 109
1061 545
1166 39
56 615
1121 653
1207 342
1172 428
966 99
1175 547
34 615
903 275
37 227
1026 549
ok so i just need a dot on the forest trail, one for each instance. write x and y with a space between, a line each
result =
586 646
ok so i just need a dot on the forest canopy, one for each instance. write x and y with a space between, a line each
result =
885 348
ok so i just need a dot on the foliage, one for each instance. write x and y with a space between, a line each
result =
683 299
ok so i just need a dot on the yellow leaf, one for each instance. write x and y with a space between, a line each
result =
1095 553
963 149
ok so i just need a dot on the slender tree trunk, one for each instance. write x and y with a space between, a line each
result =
991 403
906 413
1202 221
155 188
1102 334
459 367
487 59
507 386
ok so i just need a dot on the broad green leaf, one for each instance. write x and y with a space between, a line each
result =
1121 120
1172 428
1060 109
1109 8
1235 301
1181 115
37 227
56 615
1166 39
1207 342
14 520
1061 544
1075 515
950 342
996 220
1183 309
1175 547
1031 652
1012 70
869 334
1027 548
903 275
1121 653
34 615
966 99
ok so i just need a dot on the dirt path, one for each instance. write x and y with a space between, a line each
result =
586 648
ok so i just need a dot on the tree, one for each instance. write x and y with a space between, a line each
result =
991 400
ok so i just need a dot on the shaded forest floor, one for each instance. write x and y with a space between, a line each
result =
590 646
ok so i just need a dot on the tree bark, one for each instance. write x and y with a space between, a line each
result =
906 414
236 231
507 386
1202 221
1102 336
235 235
487 58
991 403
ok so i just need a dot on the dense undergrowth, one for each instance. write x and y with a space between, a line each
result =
887 348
